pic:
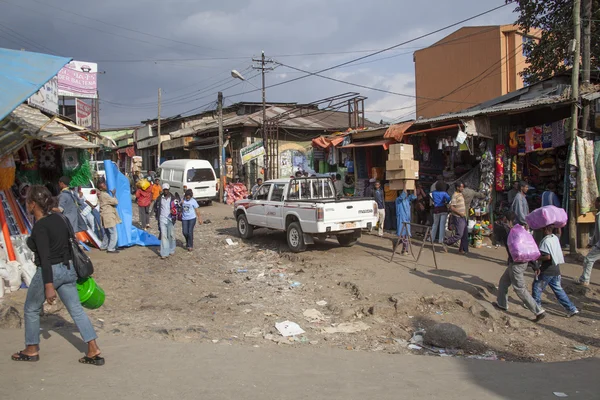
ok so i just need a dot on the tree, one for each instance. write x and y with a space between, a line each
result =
551 54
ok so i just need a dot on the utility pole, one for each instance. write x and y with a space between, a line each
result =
586 57
575 46
158 132
262 66
221 169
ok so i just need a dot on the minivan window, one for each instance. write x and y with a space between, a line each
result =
165 174
100 166
177 175
200 175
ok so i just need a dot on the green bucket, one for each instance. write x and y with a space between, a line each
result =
90 294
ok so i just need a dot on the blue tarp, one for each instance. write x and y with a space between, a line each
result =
128 235
23 73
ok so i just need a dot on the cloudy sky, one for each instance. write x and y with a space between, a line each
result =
189 47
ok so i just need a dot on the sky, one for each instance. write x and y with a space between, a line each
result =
188 48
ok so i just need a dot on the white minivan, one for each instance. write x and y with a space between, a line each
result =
197 175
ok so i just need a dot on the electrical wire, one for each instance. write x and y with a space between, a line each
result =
377 52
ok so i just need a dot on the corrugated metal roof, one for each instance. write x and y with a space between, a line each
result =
290 118
23 73
26 123
498 109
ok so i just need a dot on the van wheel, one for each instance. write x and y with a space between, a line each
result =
347 240
245 230
209 203
295 238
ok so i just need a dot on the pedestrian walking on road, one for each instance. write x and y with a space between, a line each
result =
403 213
514 275
440 199
379 199
548 274
144 199
190 214
594 254
520 206
49 241
458 215
110 217
165 209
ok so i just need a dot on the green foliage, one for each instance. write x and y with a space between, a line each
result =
555 18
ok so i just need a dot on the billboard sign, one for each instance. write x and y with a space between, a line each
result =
83 113
78 79
251 152
46 98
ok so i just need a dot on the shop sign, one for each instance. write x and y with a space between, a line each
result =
83 113
176 143
78 79
46 98
251 152
151 142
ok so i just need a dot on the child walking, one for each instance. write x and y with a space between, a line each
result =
549 272
403 214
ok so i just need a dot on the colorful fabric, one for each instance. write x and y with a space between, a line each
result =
547 136
529 140
558 133
582 157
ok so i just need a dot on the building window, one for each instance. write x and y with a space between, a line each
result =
526 43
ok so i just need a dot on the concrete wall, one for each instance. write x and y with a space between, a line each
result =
470 66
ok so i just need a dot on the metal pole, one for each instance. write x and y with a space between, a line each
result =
158 132
574 111
221 169
264 119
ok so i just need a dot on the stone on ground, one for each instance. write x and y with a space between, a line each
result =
446 335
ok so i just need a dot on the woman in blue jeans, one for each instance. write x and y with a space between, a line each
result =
189 214
49 241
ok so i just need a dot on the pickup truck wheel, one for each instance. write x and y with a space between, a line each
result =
244 228
295 238
347 240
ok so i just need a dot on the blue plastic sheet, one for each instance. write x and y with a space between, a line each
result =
128 235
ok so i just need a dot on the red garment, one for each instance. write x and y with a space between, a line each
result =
144 197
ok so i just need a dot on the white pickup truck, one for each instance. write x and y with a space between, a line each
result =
305 208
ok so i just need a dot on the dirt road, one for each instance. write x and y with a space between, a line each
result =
148 369
222 293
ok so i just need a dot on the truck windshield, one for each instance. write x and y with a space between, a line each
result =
311 189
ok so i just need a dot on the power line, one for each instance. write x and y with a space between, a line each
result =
122 27
364 86
377 52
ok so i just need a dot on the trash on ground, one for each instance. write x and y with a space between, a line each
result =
295 284
417 337
230 242
401 342
241 271
347 327
488 355
581 348
288 328
560 394
313 315
253 333
414 347
321 303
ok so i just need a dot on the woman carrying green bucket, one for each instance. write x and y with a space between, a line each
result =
49 242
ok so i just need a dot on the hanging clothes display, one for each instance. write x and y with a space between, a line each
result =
500 153
582 157
558 132
547 136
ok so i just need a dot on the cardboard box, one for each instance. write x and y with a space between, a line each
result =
400 156
394 165
402 184
402 174
401 148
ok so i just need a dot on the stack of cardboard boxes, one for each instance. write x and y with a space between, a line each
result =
401 169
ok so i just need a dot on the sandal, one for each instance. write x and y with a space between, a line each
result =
96 360
24 357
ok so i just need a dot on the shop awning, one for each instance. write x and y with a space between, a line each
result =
22 73
371 143
328 141
436 129
397 131
26 123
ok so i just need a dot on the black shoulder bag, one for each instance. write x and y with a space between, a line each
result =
81 262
